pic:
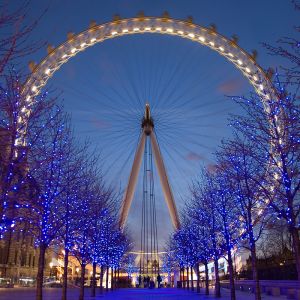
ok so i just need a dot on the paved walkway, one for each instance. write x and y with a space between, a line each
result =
123 294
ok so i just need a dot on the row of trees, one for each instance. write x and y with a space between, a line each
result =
255 182
52 188
51 185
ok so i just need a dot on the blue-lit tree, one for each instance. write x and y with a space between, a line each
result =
205 215
46 174
244 173
100 209
70 202
275 128
15 146
169 262
128 264
118 246
82 242
203 253
15 32
275 131
228 215
184 249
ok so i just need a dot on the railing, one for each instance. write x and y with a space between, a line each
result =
184 283
289 288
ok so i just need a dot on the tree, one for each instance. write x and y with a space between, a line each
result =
169 263
128 264
100 208
70 202
47 162
244 174
15 147
273 127
206 215
15 33
82 235
228 215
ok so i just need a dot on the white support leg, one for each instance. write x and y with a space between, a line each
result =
129 193
164 182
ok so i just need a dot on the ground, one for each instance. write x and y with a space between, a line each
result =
123 294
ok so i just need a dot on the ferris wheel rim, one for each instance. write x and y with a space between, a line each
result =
98 33
241 65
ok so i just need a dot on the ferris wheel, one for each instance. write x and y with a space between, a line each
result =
155 60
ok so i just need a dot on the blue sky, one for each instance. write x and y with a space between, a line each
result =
106 87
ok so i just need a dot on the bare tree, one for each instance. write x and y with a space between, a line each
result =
15 31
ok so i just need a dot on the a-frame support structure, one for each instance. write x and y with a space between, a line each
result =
147 130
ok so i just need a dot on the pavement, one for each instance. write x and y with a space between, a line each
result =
124 294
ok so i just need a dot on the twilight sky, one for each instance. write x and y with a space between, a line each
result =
106 87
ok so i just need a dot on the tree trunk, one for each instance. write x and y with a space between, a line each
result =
180 276
192 279
231 275
82 279
112 281
107 273
101 279
183 281
93 291
198 278
296 247
118 278
40 273
187 275
254 271
8 251
206 279
217 279
65 275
